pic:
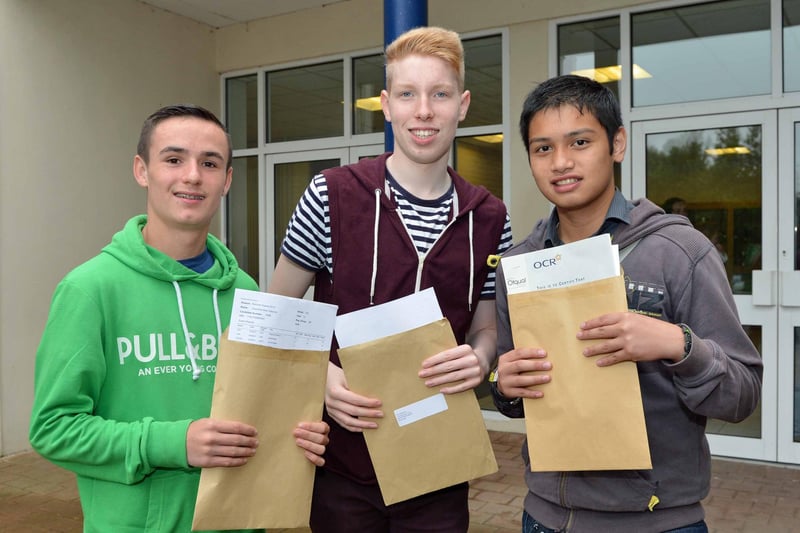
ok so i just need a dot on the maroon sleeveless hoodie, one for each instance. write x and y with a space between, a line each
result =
354 193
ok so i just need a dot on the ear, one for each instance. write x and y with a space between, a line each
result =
228 181
620 145
385 105
140 171
466 97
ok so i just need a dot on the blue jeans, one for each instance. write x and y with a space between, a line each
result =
530 525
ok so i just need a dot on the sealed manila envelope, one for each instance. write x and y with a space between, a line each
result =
426 440
590 418
271 388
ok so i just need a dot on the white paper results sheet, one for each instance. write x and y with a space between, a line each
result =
281 322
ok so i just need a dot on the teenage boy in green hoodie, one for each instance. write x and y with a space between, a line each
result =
125 369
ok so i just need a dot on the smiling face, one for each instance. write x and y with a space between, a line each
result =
185 175
424 105
571 161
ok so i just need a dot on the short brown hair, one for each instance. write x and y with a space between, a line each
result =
428 41
173 111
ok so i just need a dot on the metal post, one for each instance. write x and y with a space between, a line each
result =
400 16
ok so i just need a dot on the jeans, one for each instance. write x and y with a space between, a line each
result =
530 525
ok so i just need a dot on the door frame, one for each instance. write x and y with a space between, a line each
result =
345 155
789 284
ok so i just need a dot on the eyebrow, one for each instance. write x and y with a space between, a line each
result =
179 150
569 135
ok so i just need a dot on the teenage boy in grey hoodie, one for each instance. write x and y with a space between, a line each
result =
693 357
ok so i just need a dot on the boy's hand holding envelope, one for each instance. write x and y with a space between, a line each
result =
521 369
631 337
347 407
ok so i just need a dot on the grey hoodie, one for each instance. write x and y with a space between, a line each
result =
673 273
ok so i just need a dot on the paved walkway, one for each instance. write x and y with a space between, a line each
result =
36 496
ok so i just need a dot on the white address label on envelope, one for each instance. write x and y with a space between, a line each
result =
414 412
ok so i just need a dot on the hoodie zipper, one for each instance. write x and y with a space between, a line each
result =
421 257
562 490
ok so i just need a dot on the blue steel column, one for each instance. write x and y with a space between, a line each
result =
400 16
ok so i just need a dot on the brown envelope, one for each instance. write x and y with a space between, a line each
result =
273 390
436 452
590 418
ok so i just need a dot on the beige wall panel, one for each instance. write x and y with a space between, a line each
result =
528 66
78 79
333 29
472 15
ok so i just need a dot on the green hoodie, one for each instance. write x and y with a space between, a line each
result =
114 387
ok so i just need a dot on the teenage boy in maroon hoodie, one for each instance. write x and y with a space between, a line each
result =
381 229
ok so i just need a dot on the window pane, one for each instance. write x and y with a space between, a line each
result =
702 52
791 45
716 175
242 214
241 111
591 49
305 102
367 84
479 160
483 77
291 180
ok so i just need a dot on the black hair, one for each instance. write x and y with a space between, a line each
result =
585 94
669 203
178 110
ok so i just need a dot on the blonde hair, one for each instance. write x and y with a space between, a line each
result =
429 41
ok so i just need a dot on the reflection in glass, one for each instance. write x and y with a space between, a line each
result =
750 426
367 84
291 180
797 195
241 111
791 45
702 52
717 174
483 77
584 47
479 160
305 102
242 214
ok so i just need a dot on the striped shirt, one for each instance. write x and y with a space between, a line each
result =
308 236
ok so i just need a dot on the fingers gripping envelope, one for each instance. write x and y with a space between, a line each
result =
426 440
271 371
590 417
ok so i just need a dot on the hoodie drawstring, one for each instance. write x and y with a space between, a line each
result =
375 246
471 263
189 348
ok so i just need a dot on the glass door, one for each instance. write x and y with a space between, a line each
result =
720 171
288 175
789 287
